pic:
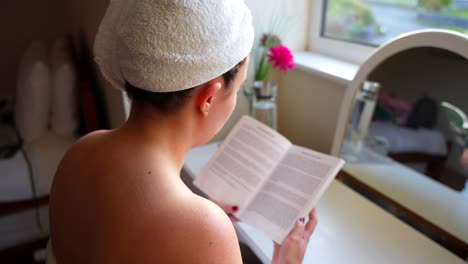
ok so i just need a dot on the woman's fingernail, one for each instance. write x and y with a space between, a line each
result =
302 220
235 208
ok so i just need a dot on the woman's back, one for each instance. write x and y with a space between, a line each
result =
114 200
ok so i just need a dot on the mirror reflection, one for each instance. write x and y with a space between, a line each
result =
405 144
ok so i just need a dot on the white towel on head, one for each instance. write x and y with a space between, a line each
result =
172 45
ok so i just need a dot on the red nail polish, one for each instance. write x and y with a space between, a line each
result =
235 208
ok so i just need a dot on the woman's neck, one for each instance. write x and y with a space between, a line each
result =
170 135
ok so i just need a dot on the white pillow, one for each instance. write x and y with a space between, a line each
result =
33 92
64 121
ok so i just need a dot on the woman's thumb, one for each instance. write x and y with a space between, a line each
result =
298 228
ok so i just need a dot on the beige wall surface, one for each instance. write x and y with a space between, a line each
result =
308 109
22 22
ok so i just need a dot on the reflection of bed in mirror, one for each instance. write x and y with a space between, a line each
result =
427 188
425 76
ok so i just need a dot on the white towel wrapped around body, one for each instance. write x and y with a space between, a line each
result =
172 45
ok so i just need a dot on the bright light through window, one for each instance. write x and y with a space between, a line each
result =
373 22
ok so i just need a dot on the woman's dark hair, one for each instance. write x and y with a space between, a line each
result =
172 101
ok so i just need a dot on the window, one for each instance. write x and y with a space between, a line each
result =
351 29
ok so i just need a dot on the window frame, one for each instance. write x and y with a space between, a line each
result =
339 49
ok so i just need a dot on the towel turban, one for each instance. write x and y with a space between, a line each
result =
171 45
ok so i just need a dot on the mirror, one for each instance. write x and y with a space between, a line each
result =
409 162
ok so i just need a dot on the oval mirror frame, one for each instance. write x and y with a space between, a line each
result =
436 38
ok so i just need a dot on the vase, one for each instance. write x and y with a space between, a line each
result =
264 103
248 92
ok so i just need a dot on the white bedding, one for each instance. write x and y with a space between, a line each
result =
14 177
24 226
46 117
19 227
44 155
404 140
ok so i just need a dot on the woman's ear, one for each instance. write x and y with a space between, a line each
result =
206 96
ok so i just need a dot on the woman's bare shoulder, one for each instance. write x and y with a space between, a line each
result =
86 145
91 138
86 150
198 232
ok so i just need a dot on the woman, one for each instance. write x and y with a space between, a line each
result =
117 196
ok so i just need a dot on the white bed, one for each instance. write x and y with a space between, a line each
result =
424 150
56 98
17 185
405 140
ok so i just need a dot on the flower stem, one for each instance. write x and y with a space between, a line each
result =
264 66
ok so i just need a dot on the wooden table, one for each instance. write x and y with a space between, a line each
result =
351 229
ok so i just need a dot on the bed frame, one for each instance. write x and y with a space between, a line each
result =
435 163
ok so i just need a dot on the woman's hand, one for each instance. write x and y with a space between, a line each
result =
464 159
293 248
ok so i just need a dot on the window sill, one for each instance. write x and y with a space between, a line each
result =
335 70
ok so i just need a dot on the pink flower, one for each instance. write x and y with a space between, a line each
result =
281 57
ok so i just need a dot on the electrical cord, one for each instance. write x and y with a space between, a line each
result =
31 175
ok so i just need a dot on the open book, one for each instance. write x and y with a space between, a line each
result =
273 181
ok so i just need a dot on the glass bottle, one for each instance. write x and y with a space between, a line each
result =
363 110
264 103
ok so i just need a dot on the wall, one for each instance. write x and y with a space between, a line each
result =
308 108
21 22
87 15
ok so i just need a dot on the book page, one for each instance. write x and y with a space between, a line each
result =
291 192
241 164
